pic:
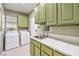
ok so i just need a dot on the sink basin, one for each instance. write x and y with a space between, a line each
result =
40 37
73 42
70 42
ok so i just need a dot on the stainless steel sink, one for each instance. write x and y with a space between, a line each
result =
40 37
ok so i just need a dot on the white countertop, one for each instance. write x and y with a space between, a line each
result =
65 48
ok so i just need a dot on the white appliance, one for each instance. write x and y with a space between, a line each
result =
11 39
35 30
25 37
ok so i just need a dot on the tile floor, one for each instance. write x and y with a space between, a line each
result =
20 51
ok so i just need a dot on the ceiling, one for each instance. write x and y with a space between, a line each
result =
25 8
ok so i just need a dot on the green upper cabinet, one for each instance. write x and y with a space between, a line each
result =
51 13
22 20
36 15
42 13
68 13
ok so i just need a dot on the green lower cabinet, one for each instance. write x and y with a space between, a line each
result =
31 49
43 54
37 51
56 53
34 48
47 50
35 43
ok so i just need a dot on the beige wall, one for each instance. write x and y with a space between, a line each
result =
1 7
65 30
32 23
1 32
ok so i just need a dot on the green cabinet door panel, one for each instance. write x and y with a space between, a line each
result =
51 13
55 53
68 13
36 15
32 49
46 50
41 13
35 43
35 48
25 21
43 54
37 51
22 20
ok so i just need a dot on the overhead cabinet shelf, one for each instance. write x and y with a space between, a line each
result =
12 18
11 22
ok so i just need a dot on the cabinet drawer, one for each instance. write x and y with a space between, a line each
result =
56 53
46 50
35 43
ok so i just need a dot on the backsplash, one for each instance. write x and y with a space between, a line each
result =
65 30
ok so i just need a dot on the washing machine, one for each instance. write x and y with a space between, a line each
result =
11 40
24 37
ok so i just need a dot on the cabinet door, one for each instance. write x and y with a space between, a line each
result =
56 53
36 16
32 49
51 13
25 21
46 50
35 43
35 48
42 13
37 51
22 20
68 13
43 54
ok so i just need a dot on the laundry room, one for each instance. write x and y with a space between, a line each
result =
39 29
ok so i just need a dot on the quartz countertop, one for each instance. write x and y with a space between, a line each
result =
63 47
